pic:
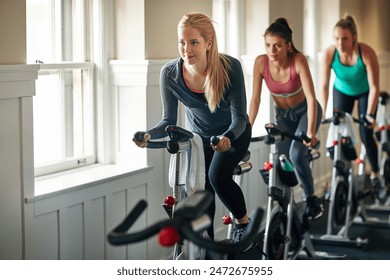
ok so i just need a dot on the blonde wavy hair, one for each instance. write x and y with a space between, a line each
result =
218 65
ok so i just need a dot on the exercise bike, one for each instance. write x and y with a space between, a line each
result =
181 141
383 136
185 227
347 189
370 214
286 232
373 215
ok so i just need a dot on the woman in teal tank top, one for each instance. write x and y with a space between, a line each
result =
356 70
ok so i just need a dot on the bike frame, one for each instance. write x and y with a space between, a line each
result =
342 171
281 199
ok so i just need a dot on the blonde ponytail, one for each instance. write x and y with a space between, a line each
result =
218 65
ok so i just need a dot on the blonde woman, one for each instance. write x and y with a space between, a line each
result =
211 87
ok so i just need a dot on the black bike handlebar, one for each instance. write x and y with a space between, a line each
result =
179 139
338 115
274 131
139 136
215 140
119 235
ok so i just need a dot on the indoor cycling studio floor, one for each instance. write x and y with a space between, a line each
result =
377 248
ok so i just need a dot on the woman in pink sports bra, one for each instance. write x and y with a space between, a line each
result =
286 73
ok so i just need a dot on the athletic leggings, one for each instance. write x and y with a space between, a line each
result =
294 120
219 179
346 103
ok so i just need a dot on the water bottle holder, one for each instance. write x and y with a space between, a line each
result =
265 175
288 178
349 150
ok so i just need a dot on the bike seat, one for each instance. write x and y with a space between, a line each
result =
244 166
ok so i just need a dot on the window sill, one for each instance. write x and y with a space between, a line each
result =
64 182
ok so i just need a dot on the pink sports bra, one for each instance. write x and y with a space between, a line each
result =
290 88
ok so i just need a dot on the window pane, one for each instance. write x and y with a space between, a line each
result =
63 119
48 136
56 30
40 37
57 35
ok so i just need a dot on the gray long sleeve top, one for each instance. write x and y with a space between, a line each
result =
229 119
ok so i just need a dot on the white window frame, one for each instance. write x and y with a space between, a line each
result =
85 127
96 36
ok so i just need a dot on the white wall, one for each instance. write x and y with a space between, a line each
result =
16 172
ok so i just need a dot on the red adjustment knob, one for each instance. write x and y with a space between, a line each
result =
268 165
169 201
227 220
168 236
359 161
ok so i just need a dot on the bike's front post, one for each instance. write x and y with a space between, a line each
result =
271 184
349 203
287 239
336 158
178 194
362 161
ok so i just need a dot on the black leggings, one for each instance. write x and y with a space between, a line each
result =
346 103
219 179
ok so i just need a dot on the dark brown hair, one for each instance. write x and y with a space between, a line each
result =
281 28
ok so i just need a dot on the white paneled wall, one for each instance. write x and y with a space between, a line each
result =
74 224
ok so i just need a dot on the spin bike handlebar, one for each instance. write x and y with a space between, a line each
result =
215 140
179 139
276 134
339 115
186 216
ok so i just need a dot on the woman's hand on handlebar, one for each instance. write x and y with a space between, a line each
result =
369 121
141 139
223 144
313 141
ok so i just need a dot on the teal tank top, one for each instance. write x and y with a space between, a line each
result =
350 79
